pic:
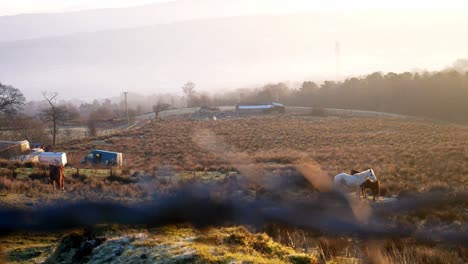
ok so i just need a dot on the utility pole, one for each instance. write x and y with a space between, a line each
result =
126 108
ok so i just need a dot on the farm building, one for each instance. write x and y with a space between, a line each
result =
9 149
260 108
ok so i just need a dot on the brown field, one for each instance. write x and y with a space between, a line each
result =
401 152
410 157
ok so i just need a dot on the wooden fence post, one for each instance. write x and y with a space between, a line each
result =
13 171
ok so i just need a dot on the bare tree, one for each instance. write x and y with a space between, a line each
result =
92 128
25 127
55 114
51 114
11 99
189 89
159 107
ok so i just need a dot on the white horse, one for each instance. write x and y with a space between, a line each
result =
344 181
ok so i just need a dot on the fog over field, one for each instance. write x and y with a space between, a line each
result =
219 45
233 131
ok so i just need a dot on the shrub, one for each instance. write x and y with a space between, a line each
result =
38 176
30 164
122 179
264 244
317 111
4 163
79 177
302 259
236 239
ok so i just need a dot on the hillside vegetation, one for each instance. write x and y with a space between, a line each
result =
402 152
265 167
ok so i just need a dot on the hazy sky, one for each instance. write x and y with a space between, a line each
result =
12 7
245 49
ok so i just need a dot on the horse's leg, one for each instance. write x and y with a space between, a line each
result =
53 182
62 183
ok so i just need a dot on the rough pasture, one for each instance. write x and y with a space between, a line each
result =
403 153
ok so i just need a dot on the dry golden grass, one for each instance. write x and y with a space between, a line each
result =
408 156
403 153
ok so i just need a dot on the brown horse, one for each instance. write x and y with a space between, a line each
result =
57 175
373 186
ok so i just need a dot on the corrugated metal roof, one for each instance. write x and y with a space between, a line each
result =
255 106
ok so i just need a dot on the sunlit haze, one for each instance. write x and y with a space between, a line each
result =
15 7
156 46
233 131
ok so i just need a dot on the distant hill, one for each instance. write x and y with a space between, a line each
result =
29 26
213 53
219 53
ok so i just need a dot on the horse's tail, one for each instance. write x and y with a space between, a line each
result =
52 171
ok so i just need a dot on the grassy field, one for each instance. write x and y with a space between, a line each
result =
24 173
404 153
276 158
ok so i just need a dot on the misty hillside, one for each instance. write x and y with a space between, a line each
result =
223 52
29 26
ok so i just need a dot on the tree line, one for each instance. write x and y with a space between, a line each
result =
439 95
